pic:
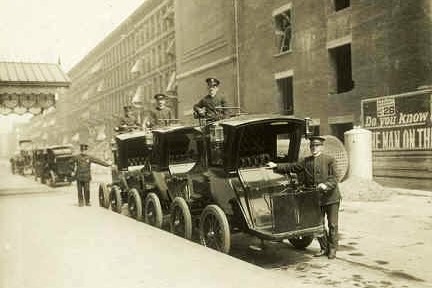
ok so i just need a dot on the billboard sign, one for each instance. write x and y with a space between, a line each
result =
399 122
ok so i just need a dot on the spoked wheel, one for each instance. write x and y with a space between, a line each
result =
104 200
116 199
301 242
135 205
153 211
180 218
214 229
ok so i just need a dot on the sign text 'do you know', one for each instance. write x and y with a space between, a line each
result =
399 122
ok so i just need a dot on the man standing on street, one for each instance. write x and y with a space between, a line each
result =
211 106
83 173
319 172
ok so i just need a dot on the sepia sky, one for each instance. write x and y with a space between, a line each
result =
44 30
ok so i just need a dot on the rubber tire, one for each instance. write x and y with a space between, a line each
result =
153 199
135 196
180 203
225 237
301 242
116 199
104 200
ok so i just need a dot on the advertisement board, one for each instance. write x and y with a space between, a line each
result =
399 122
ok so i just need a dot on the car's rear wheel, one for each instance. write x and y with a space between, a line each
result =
153 211
135 205
214 229
116 199
180 218
104 200
301 242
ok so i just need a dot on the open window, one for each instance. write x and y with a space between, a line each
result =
285 87
341 4
341 66
283 31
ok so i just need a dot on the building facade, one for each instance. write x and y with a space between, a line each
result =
134 62
318 59
308 58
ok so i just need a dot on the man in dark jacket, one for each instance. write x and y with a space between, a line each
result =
210 107
319 172
161 115
83 173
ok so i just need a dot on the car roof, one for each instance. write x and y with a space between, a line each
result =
172 129
131 135
57 147
255 119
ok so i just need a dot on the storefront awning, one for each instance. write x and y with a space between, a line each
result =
29 87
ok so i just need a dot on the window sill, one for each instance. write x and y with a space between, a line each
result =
282 53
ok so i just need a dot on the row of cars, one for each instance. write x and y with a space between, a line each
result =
212 180
51 165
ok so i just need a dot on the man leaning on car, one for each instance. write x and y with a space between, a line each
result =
319 172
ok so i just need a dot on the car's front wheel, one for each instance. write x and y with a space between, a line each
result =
214 229
153 214
135 205
180 218
116 199
104 200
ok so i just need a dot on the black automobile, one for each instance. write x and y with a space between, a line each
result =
219 182
58 166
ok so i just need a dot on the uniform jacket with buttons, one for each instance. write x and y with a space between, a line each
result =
160 116
317 170
83 166
210 104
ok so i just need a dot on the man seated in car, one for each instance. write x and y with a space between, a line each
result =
210 107
161 114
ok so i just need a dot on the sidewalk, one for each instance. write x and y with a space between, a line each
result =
392 236
46 240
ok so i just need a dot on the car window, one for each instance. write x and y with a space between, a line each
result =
282 146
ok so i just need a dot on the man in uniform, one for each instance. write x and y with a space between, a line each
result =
319 172
160 115
211 106
129 121
83 173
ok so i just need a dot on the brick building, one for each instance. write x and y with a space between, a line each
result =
308 58
319 59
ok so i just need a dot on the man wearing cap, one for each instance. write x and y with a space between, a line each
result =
211 106
319 172
129 121
160 115
83 173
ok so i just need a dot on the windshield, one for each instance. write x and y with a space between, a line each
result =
259 144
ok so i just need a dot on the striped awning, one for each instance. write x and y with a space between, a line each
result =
29 87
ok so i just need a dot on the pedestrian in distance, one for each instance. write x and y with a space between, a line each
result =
211 106
82 171
161 115
319 173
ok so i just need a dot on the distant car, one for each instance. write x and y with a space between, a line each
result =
57 167
24 161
